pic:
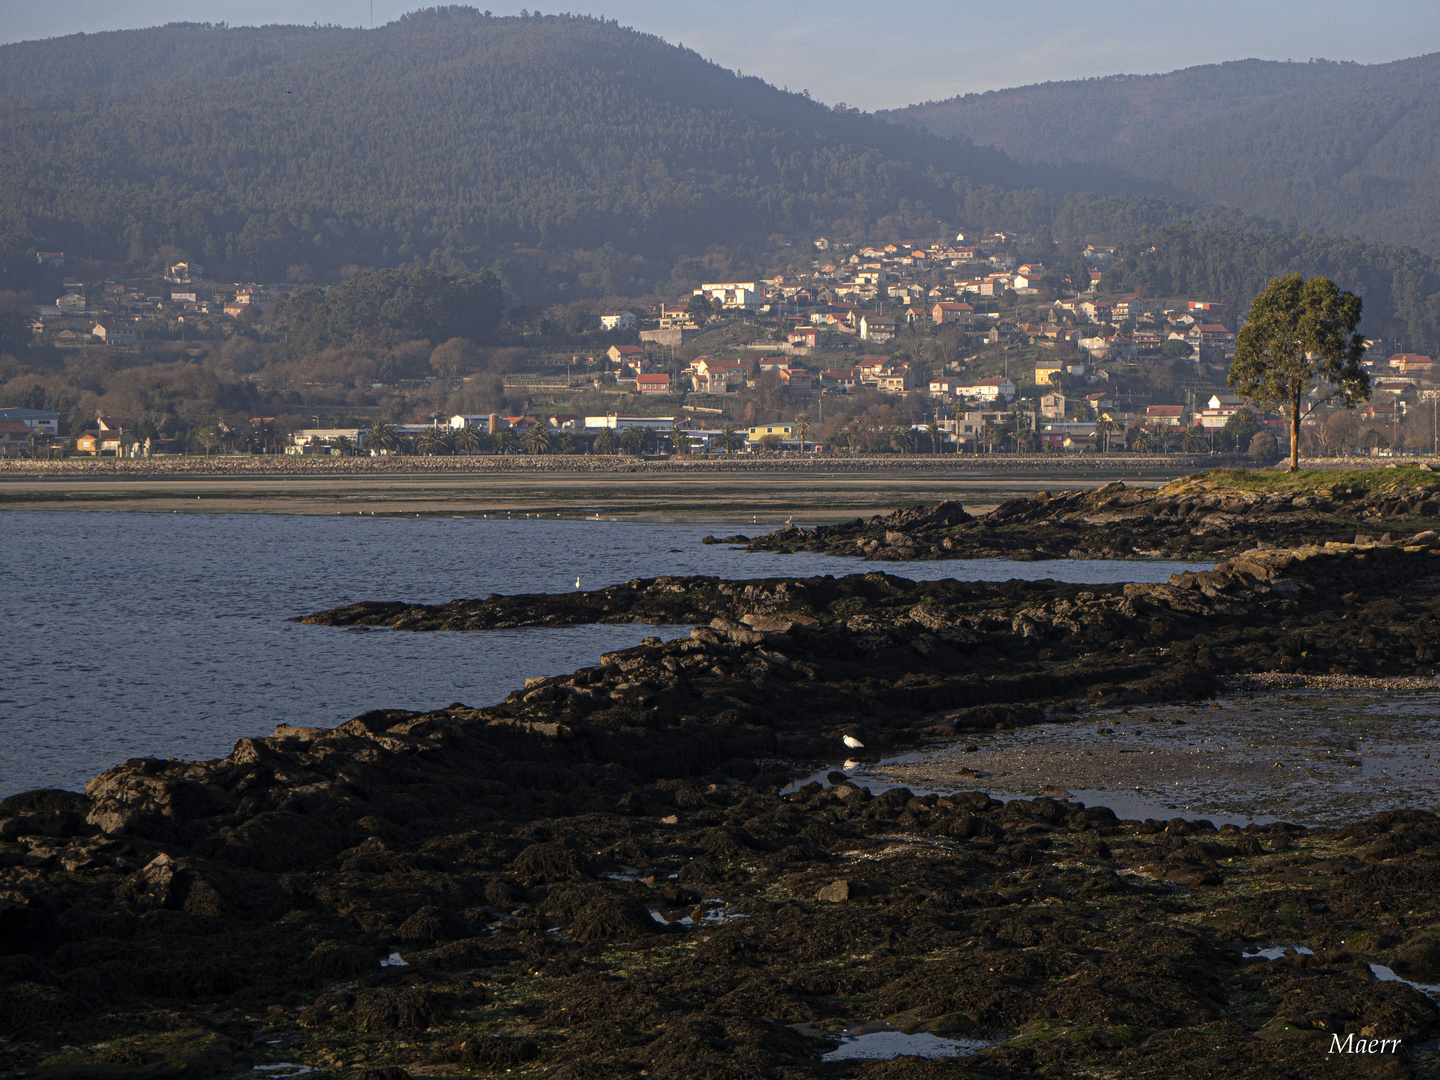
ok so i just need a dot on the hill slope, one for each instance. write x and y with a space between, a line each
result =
1339 147
446 133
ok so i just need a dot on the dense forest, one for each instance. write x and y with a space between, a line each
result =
1344 148
392 306
445 136
576 158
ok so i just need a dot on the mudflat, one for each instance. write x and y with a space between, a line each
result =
749 493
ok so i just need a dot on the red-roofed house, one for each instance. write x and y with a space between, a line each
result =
652 384
949 312
712 376
1411 363
1165 415
797 378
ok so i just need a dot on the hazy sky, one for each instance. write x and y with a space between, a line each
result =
877 55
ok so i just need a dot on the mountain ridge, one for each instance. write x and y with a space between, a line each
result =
1339 147
442 137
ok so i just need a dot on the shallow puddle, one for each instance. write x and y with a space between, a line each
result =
1380 971
1275 952
1313 757
1384 974
884 1045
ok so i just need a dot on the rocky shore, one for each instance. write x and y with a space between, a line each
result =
1206 515
600 877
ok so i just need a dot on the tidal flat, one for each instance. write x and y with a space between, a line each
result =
752 493
1307 755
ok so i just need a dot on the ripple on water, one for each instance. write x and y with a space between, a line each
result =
164 635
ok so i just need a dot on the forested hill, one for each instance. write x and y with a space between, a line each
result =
1345 148
442 135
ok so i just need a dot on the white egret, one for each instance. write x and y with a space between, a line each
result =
853 743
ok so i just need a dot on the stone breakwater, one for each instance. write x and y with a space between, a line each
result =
599 877
1192 518
138 468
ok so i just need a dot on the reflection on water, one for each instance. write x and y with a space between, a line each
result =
884 1045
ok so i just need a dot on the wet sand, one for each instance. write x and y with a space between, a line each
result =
744 498
1312 756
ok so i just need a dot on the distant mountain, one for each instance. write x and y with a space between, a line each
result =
1345 148
444 136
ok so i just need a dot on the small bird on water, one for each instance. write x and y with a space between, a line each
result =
853 743
577 581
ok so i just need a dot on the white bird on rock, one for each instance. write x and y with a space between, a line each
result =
853 743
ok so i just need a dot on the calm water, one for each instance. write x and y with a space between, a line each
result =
134 635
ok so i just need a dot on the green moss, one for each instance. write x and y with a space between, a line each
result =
1361 481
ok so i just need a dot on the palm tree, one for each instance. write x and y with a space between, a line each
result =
344 445
1138 439
506 441
606 442
903 440
569 444
988 433
537 439
802 426
1194 442
933 430
468 440
1103 427
632 440
384 436
729 439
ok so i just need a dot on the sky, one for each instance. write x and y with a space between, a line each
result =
875 55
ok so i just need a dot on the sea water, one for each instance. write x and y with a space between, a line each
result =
160 635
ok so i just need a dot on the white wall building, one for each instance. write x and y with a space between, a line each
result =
616 422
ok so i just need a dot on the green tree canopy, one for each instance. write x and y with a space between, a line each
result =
1240 428
397 305
1300 343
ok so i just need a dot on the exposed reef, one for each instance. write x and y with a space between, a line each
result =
1207 515
598 877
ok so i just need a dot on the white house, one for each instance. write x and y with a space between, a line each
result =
617 320
71 302
732 294
324 440
987 389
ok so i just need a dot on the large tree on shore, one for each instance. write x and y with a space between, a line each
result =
1300 343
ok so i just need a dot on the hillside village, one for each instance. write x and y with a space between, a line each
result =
958 345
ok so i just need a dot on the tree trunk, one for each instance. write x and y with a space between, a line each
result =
1294 434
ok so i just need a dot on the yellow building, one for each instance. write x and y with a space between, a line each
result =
1045 370
784 431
